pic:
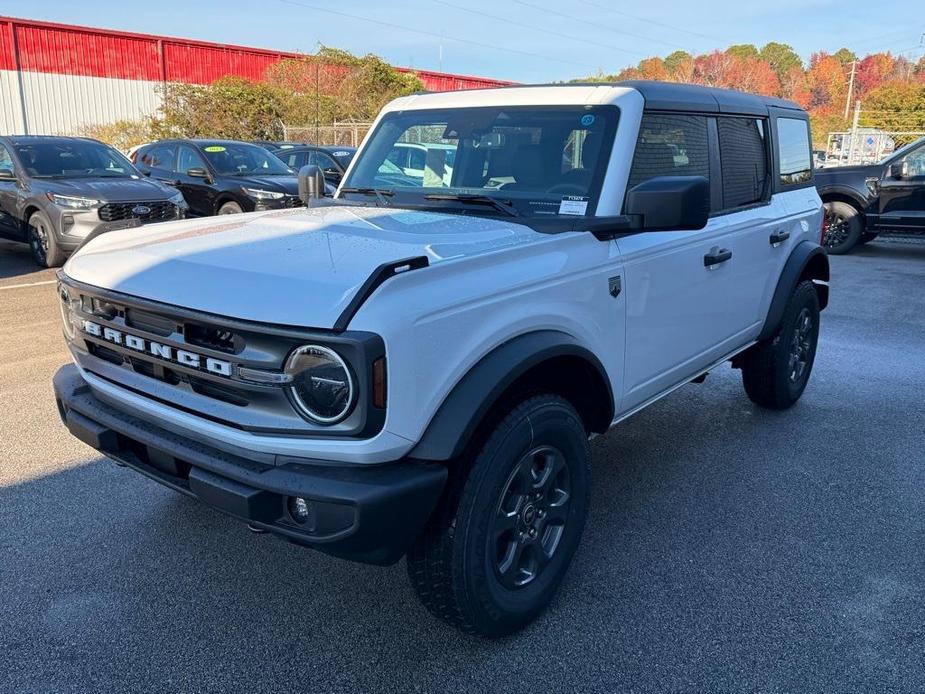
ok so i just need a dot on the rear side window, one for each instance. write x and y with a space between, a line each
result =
744 155
160 157
794 151
670 145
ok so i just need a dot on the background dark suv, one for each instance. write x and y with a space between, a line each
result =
221 176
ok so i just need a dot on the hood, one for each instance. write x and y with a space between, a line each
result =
294 267
282 184
109 189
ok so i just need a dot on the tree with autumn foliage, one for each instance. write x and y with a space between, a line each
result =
888 86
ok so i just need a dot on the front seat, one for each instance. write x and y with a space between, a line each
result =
528 169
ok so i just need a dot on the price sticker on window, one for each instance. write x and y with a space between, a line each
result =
574 205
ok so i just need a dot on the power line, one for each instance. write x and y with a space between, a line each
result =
655 23
596 25
580 39
431 34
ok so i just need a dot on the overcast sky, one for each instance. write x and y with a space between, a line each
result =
521 40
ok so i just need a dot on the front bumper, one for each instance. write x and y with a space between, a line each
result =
74 228
372 514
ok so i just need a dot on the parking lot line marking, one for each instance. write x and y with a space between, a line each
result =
28 284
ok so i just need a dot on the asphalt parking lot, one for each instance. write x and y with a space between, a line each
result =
728 549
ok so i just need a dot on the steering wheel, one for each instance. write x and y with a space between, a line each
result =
567 189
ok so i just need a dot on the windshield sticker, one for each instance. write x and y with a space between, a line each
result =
286 146
573 205
587 119
214 148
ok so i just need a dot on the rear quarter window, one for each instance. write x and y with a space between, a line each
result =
793 150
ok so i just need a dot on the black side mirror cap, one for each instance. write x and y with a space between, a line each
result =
311 183
670 203
197 172
898 169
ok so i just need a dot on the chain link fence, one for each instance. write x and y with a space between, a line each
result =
344 133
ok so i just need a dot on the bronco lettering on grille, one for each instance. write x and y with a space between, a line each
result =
156 349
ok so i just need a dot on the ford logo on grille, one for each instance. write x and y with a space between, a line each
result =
141 210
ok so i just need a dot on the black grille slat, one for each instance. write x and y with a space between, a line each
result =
160 211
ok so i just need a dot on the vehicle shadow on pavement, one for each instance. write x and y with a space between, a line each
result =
898 248
16 262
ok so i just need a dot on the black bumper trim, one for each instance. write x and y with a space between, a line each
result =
365 514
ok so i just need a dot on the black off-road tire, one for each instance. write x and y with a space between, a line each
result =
465 568
230 207
843 227
42 241
775 371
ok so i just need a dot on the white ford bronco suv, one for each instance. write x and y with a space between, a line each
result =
415 366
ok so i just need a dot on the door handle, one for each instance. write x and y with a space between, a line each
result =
778 237
716 256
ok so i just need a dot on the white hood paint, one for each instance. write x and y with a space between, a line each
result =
293 267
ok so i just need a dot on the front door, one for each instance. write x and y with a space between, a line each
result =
196 190
902 196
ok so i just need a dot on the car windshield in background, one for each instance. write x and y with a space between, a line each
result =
73 159
539 160
240 159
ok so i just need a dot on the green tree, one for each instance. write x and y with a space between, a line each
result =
844 56
744 51
675 61
782 59
895 107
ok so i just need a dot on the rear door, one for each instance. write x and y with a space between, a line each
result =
680 286
902 197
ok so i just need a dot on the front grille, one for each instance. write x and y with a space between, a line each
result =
292 201
161 211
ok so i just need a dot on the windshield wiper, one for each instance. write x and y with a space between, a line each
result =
475 199
380 194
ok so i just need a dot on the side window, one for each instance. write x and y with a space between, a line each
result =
159 157
416 158
6 161
793 150
323 160
671 145
744 156
914 163
190 159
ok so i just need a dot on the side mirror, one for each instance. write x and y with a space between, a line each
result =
311 183
670 203
197 172
7 175
899 169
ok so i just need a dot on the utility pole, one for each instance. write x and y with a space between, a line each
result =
854 65
854 132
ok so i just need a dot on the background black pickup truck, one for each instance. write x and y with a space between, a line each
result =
863 201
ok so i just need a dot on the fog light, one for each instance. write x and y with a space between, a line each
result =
300 509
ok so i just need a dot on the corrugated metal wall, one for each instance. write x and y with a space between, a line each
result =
57 78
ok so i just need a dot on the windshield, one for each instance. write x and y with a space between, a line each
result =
905 149
544 161
242 159
73 159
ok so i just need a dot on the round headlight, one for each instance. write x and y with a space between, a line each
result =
322 387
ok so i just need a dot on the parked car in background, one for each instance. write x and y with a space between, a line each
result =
411 157
864 201
332 160
819 158
221 176
272 146
58 192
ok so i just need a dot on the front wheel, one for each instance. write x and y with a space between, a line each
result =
842 227
775 371
230 208
43 243
504 534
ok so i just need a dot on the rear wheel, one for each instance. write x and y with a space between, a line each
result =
230 208
842 229
775 371
504 534
42 241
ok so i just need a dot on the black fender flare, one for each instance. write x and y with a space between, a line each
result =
463 409
807 260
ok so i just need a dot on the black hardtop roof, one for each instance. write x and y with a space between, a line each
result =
672 96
